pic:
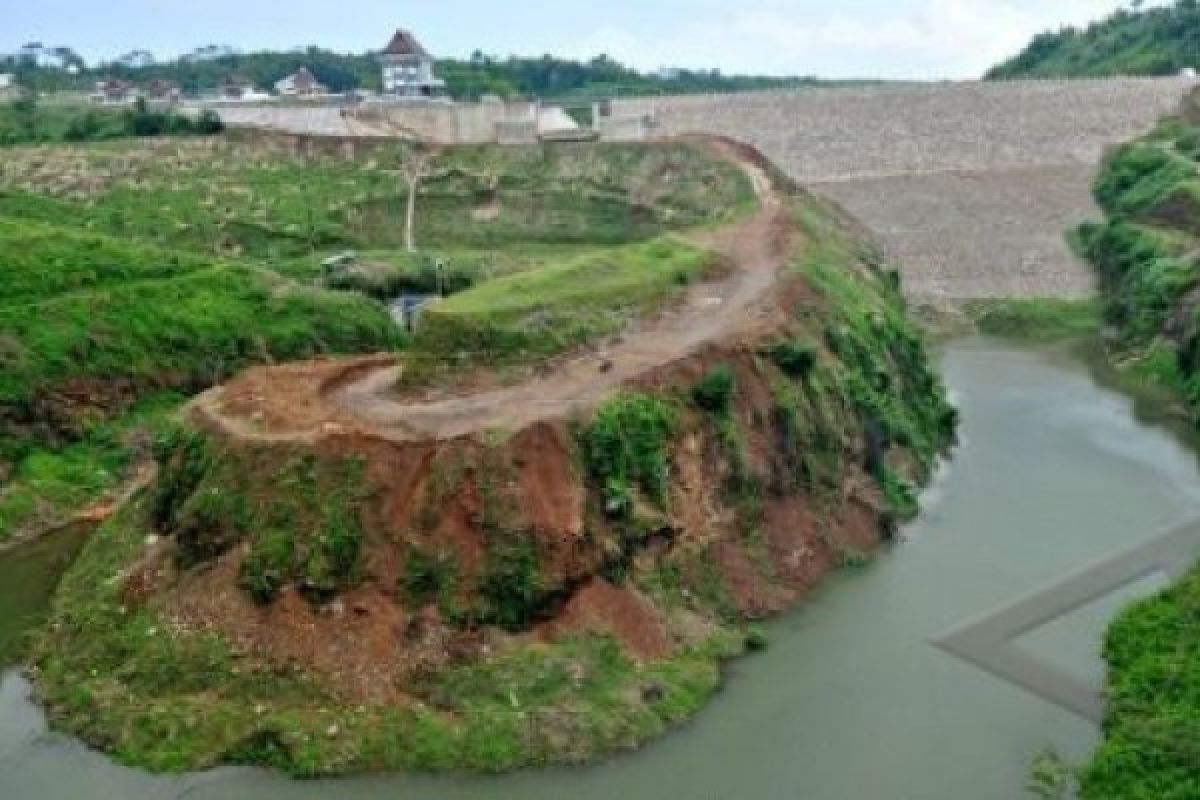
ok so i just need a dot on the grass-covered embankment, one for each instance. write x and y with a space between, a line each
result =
1151 748
545 311
1035 319
91 326
1146 256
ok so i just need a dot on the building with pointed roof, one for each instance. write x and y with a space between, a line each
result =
302 83
408 69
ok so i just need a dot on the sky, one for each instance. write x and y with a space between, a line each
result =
895 39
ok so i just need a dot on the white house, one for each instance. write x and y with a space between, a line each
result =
300 84
8 86
408 69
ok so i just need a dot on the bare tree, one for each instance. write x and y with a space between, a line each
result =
416 167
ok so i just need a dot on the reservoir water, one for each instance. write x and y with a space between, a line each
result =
851 700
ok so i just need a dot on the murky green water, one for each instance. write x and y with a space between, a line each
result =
851 701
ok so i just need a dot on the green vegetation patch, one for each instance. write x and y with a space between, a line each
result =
187 332
26 121
387 274
229 197
625 448
1145 255
545 311
41 261
47 486
884 369
303 518
1152 728
1037 319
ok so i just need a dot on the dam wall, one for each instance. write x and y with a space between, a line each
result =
969 186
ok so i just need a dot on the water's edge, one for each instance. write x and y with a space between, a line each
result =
851 700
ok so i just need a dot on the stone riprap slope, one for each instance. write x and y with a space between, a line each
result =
968 235
969 185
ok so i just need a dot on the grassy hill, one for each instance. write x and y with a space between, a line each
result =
1156 41
138 271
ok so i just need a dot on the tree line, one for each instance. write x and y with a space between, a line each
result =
466 79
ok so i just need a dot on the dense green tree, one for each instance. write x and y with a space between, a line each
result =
470 78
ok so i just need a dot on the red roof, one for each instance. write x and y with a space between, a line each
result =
404 44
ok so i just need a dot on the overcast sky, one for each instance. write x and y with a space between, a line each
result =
843 38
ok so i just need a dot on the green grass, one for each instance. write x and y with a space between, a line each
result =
385 274
882 366
41 261
625 448
545 311
301 516
48 485
183 333
231 199
1037 319
25 121
1151 747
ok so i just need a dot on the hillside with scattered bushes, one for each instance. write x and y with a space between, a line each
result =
1151 41
1147 260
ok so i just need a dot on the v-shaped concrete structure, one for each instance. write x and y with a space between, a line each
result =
989 642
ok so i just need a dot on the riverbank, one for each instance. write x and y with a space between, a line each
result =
850 700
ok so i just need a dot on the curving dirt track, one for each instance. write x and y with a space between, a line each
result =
301 402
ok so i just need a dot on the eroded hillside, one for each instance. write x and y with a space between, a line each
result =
542 562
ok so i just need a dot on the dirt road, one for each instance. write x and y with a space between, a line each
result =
303 401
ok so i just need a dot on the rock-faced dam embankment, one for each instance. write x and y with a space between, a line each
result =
969 186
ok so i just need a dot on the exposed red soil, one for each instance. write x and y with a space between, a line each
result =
437 468
625 613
